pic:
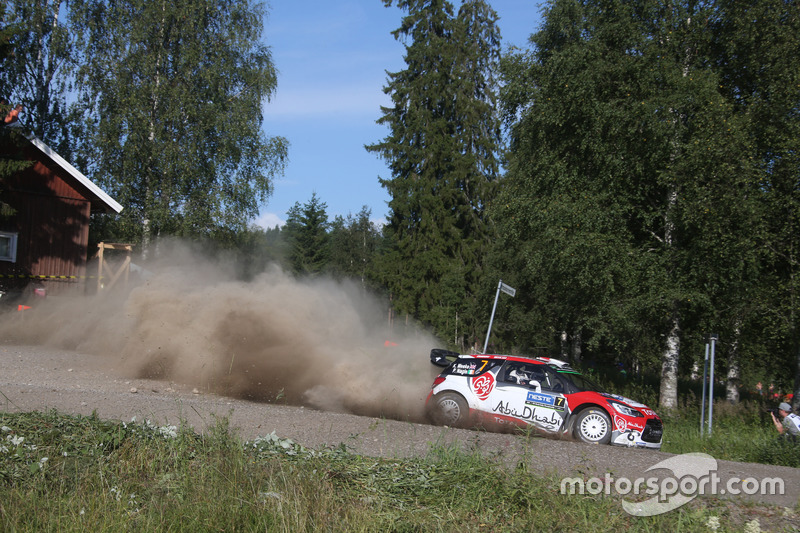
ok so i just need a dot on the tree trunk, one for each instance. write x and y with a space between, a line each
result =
669 365
571 350
577 351
734 375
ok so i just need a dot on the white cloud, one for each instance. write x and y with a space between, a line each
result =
350 100
269 221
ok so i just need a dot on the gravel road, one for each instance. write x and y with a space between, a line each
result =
39 378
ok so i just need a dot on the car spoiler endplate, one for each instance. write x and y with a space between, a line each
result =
443 358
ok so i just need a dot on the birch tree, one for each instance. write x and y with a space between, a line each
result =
38 76
618 153
174 94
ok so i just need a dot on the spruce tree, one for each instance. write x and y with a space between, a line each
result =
354 242
442 153
307 237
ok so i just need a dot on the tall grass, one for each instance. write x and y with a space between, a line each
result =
72 473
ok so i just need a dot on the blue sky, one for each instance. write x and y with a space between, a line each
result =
332 59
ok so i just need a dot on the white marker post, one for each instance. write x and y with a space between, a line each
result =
703 402
506 289
714 338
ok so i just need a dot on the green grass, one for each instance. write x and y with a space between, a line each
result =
72 473
741 432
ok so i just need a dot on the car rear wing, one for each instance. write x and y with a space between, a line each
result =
443 358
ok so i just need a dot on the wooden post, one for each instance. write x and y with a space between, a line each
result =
102 265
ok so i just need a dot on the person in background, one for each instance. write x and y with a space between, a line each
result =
789 423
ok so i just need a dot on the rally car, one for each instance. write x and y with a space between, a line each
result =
546 394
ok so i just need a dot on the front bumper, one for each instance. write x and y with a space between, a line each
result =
648 437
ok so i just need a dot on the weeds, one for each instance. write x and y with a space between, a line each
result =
72 473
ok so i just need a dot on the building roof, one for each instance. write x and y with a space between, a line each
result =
75 173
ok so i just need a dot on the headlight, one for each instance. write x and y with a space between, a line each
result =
625 410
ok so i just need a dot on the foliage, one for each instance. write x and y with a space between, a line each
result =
37 77
354 242
760 78
442 153
9 160
650 196
633 201
307 236
9 32
82 473
174 93
255 249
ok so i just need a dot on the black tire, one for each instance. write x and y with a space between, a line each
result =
450 409
593 426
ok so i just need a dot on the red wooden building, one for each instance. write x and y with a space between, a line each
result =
44 243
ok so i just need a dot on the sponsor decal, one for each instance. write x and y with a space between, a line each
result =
465 369
636 426
627 425
541 417
648 412
545 400
483 385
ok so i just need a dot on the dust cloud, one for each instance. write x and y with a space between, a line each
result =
278 339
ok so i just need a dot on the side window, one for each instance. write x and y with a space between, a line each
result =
538 375
8 246
528 374
512 373
554 382
524 374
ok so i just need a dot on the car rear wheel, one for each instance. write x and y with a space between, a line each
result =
593 426
450 409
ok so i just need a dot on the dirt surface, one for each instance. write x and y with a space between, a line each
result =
38 378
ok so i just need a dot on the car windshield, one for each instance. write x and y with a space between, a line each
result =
582 382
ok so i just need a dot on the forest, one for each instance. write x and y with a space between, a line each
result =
634 172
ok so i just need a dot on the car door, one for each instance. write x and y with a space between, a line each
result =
548 399
524 395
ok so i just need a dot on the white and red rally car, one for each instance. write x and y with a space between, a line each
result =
502 390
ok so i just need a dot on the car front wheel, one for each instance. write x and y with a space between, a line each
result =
593 426
450 409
